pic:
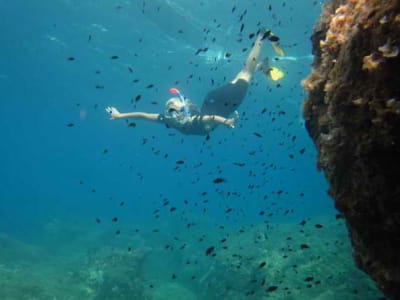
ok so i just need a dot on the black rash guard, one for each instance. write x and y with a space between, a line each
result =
222 101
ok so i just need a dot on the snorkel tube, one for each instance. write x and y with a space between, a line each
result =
175 91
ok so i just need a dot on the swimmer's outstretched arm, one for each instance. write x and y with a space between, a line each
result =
219 120
115 115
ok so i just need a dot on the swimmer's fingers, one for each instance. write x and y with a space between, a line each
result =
113 112
236 115
230 123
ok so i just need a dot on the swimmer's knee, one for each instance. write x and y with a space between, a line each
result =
242 75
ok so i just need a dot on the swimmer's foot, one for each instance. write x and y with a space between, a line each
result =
263 66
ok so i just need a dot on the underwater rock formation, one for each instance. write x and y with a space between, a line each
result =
353 115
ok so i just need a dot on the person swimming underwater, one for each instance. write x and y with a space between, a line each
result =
218 108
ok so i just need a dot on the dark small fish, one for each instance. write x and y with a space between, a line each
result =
304 246
137 98
219 180
70 125
228 210
309 278
201 50
99 87
302 150
318 226
114 57
180 162
239 164
233 8
121 203
257 134
272 288
98 221
71 58
105 151
130 70
132 124
117 232
173 276
115 219
227 54
172 209
251 35
149 86
89 38
303 222
210 250
262 265
241 27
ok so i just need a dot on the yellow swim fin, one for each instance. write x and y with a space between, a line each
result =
276 74
278 49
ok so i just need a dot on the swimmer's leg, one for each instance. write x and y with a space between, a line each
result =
251 62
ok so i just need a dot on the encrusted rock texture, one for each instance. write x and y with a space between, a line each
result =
353 115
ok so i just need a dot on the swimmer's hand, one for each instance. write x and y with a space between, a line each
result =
230 123
115 114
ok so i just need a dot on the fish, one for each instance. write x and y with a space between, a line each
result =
219 180
304 246
210 250
272 288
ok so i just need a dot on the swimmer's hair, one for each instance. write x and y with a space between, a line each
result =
172 101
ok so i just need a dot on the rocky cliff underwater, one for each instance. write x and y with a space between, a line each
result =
353 115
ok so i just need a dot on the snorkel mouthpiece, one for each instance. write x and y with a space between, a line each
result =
175 91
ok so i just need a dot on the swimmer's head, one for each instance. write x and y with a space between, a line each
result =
174 105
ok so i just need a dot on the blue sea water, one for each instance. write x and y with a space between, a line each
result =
67 170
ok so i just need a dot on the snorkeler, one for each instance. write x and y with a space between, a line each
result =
218 108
